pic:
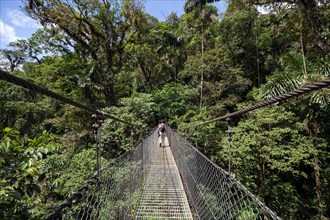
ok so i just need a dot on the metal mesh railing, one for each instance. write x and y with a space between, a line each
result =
163 196
116 192
212 192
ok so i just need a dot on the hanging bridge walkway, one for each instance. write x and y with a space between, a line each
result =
175 181
149 182
163 195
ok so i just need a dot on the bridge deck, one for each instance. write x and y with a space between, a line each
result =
163 196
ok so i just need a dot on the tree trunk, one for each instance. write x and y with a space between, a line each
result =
110 96
317 181
317 174
303 55
257 55
202 74
310 8
312 129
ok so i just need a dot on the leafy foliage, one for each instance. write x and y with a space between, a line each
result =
80 168
110 55
271 143
22 169
174 100
118 138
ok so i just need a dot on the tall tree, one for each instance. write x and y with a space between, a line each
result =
238 41
295 73
11 59
171 47
189 6
271 154
312 11
98 32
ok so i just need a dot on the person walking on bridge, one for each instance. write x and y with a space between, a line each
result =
161 132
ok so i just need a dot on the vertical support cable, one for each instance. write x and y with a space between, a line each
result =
196 139
229 131
97 130
98 153
132 137
142 156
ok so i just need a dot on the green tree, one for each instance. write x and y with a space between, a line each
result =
199 5
171 48
151 63
270 154
78 169
98 31
139 109
313 15
173 101
21 171
238 42
11 59
297 71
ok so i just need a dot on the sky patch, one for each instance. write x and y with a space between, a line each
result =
7 34
19 19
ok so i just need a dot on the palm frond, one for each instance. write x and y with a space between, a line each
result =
321 97
281 83
190 5
324 66
292 62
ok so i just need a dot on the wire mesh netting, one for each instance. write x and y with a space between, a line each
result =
115 194
212 192
131 188
163 195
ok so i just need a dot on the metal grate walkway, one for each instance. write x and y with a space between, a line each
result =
163 196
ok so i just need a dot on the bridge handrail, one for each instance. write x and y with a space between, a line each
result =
33 87
76 197
229 176
299 91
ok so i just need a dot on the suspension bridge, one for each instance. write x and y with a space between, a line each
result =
174 181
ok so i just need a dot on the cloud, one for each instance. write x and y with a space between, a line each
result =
19 19
263 9
7 33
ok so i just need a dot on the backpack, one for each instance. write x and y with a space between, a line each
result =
162 128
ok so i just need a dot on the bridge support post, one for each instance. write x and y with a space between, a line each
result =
132 137
142 156
99 117
229 131
196 138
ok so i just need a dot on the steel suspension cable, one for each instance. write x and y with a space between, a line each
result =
302 90
33 87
